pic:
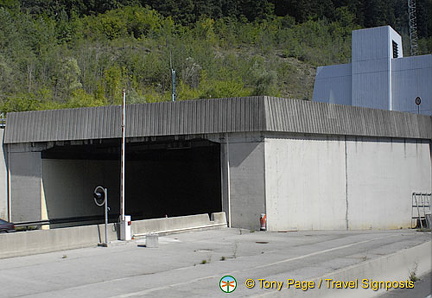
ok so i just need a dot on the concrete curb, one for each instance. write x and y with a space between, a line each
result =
394 267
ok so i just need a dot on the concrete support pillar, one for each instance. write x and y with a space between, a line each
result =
243 185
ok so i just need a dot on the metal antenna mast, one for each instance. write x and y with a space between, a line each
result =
412 11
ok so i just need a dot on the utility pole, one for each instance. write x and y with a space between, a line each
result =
122 166
125 220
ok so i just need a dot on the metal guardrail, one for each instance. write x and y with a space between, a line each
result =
28 225
69 220
76 221
32 223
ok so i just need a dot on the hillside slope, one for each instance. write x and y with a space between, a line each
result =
59 54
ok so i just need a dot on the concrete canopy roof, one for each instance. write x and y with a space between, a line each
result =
212 116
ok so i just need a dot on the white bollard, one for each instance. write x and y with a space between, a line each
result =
125 229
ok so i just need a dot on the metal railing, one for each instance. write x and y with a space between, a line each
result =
421 210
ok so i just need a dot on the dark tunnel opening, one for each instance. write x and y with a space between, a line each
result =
163 178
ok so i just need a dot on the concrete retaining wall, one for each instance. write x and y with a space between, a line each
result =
42 241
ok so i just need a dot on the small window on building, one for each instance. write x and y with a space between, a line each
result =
395 49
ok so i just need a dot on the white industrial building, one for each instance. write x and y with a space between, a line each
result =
307 165
379 76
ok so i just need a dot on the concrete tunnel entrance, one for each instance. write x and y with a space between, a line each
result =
165 177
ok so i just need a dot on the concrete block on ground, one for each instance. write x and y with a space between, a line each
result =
152 241
219 218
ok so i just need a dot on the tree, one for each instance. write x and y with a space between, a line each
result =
10 4
182 11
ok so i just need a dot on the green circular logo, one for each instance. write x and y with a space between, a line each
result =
227 284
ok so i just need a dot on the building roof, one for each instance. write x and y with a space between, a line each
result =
212 116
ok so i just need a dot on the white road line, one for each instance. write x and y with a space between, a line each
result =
320 252
140 293
144 292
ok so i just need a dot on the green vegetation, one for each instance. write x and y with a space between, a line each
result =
76 53
413 273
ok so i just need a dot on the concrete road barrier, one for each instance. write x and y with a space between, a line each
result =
177 224
42 241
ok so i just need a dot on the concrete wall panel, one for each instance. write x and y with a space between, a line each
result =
305 183
371 84
333 84
411 78
382 174
374 43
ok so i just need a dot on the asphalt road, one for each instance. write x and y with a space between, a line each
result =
192 264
